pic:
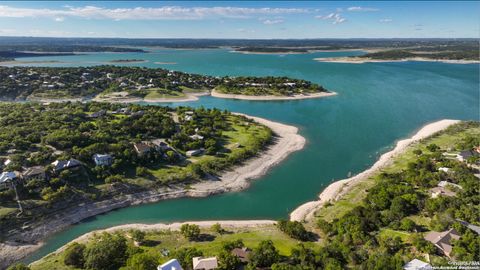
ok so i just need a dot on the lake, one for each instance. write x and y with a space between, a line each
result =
377 104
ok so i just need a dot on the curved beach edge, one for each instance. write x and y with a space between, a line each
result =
216 94
338 189
287 141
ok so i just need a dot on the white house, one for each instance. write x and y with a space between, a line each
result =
6 179
416 264
173 264
200 263
103 159
444 169
193 153
446 184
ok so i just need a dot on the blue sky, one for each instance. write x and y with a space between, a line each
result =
240 19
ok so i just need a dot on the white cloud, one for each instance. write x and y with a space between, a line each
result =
274 21
243 30
142 13
336 18
60 19
362 9
385 20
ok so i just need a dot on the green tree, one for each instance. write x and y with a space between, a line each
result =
190 231
108 252
73 255
227 261
264 255
142 261
217 228
18 266
138 235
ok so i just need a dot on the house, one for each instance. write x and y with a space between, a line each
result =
444 169
466 154
98 114
441 191
60 165
242 253
142 148
196 137
7 179
34 173
442 240
416 264
138 113
200 263
446 184
188 115
472 227
195 152
173 264
161 145
103 159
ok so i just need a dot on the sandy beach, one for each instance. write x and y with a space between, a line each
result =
287 141
295 97
362 60
337 189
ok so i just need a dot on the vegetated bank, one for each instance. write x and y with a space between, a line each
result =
391 218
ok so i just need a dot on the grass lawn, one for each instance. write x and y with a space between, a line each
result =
192 90
384 232
155 93
156 241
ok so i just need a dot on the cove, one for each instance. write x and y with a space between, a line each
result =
377 104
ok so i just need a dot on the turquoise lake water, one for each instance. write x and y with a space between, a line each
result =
377 104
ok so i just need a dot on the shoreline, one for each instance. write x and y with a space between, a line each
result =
265 98
338 189
237 178
167 226
363 60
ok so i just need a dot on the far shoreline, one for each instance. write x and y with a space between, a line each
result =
363 60
236 179
338 189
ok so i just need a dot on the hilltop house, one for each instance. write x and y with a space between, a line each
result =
416 264
200 263
34 173
195 152
442 240
7 179
60 165
188 115
445 184
142 148
173 264
441 191
98 114
102 159
463 156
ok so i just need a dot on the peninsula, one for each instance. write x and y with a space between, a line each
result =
93 163
134 84
453 54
